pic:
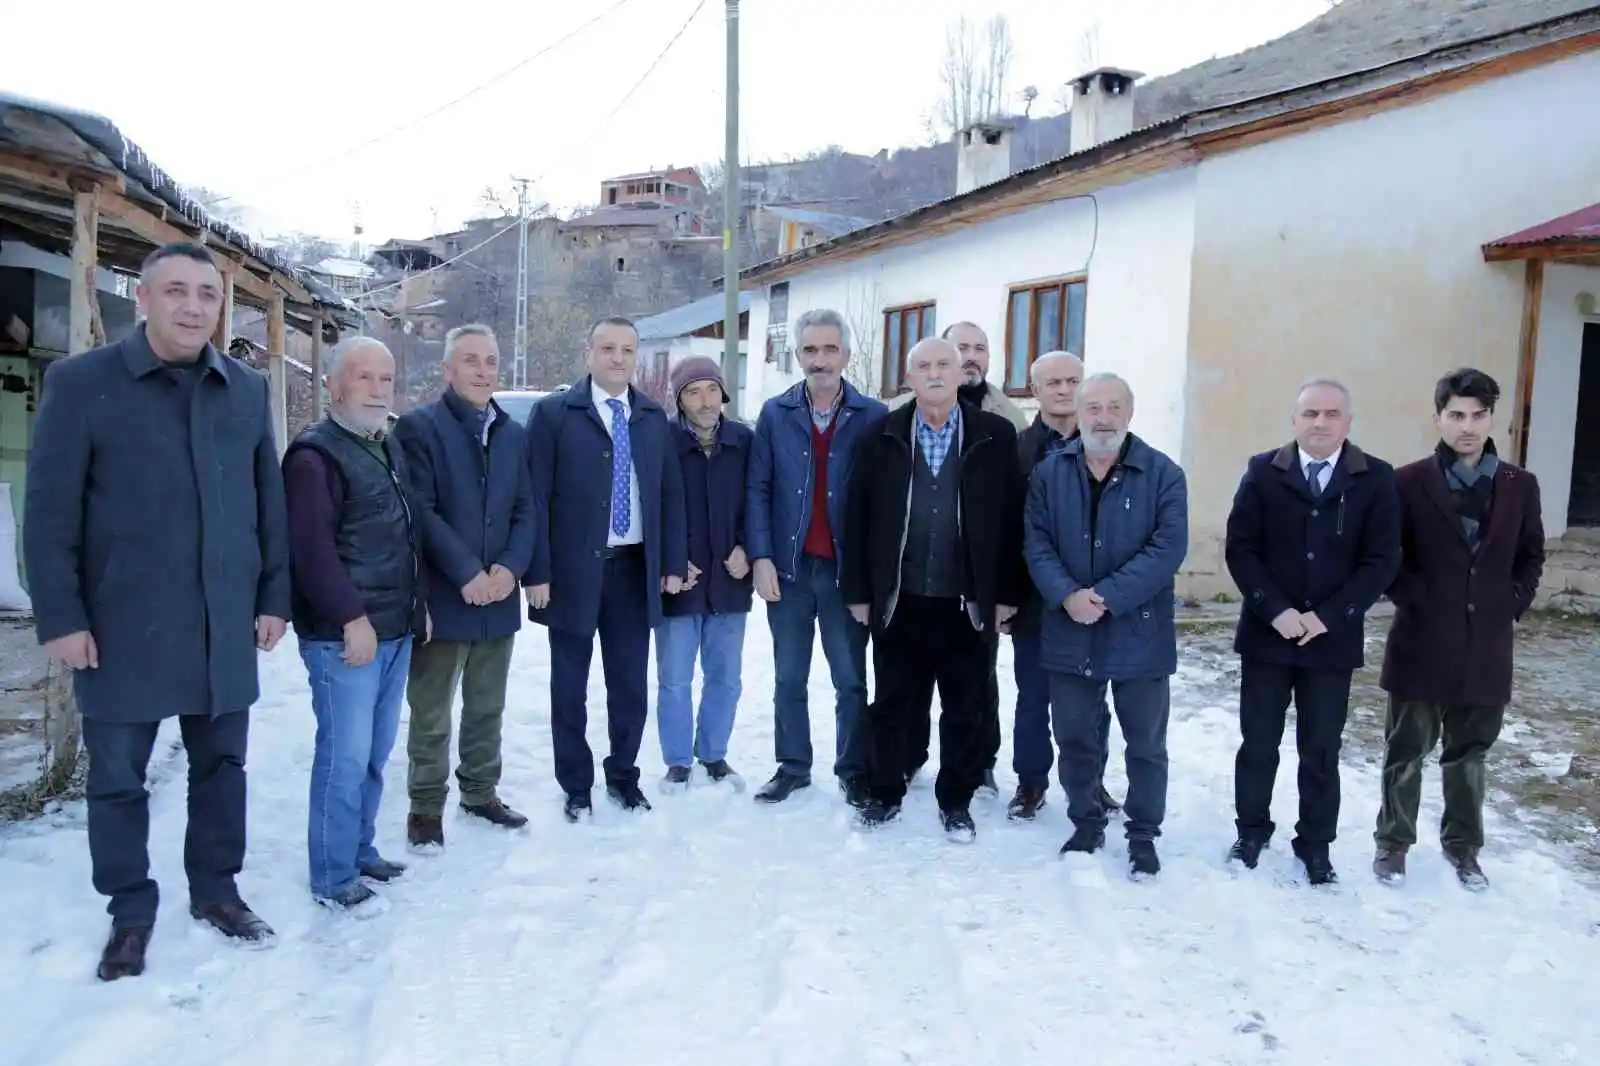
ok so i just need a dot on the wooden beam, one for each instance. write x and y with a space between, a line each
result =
34 171
86 330
224 335
1527 359
157 231
316 368
277 385
1553 251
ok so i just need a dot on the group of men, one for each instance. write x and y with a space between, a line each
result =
166 543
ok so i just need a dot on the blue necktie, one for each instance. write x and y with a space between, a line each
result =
1315 472
621 469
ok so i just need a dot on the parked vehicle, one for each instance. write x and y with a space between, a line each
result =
518 403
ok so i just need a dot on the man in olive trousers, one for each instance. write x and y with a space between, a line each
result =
470 488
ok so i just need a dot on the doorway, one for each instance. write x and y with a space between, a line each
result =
1583 505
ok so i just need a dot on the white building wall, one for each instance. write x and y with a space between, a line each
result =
1555 386
1355 250
1133 242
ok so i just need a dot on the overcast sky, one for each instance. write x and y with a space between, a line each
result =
273 111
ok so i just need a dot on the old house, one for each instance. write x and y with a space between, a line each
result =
1383 195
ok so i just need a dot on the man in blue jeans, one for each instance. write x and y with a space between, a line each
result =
353 555
705 619
805 443
1054 377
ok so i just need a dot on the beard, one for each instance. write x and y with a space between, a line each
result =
973 394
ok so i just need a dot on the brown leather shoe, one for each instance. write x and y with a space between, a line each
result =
233 919
124 953
424 831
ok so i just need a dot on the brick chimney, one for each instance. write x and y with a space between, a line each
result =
1102 106
983 155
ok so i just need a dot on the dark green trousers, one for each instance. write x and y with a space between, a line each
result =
437 668
1411 730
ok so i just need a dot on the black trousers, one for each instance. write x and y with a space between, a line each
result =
1321 704
931 642
624 633
119 811
920 733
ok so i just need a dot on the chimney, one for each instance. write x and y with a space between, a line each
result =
1102 106
983 155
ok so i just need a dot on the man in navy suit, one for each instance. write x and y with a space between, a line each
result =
610 537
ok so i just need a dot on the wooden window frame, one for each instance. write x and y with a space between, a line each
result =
900 311
1033 347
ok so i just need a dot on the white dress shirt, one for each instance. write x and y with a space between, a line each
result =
1327 473
602 407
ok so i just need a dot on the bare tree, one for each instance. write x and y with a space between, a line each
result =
1086 53
863 313
1030 93
972 74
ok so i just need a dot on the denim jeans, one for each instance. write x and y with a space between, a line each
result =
717 640
358 717
811 600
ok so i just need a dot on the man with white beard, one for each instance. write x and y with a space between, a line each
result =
1107 580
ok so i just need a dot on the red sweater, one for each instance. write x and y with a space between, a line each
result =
819 535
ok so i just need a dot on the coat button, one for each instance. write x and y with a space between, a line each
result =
1314 512
1471 607
1099 544
605 454
597 553
1311 555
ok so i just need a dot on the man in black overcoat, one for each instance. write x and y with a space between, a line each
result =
1313 541
157 554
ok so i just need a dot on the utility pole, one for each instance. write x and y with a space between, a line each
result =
731 365
519 352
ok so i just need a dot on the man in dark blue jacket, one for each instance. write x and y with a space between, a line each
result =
805 446
706 618
1313 541
609 538
1107 528
472 498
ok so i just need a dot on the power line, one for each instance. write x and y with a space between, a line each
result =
448 104
597 128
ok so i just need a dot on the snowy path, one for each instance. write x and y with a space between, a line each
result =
713 930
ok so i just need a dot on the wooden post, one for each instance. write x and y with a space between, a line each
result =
85 326
276 350
316 369
1527 357
224 335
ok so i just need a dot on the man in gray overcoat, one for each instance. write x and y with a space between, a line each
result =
157 554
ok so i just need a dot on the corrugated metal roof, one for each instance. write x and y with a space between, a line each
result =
102 144
1579 226
682 321
828 224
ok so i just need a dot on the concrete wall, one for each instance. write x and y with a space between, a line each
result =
1134 243
1354 250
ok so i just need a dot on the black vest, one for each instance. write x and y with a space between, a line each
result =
932 562
376 538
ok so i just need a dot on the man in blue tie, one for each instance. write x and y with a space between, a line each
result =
610 537
1313 541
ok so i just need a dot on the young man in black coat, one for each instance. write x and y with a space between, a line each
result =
1472 554
1313 540
158 561
933 565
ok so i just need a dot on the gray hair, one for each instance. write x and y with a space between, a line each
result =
1106 375
823 316
348 347
1033 371
471 329
1326 383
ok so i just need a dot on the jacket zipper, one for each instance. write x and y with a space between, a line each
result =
905 522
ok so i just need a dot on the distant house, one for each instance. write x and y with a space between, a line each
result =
695 328
1382 195
800 227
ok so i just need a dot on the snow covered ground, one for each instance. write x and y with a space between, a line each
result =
712 930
